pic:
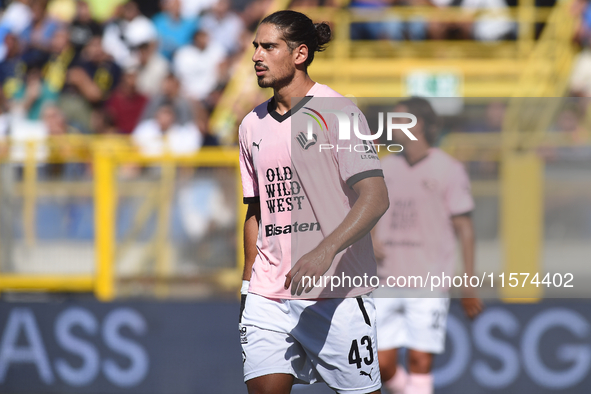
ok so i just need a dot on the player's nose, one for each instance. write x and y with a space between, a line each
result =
256 56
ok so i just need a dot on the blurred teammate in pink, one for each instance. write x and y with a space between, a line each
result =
430 205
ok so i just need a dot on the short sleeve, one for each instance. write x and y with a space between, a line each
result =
459 194
357 158
250 186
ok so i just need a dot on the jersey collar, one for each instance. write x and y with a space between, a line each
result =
280 118
271 106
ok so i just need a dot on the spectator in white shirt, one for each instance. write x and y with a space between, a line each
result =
193 8
198 66
115 34
15 19
163 135
224 26
152 67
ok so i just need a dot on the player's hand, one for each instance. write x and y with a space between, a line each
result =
472 306
312 265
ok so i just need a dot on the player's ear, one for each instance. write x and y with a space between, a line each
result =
300 54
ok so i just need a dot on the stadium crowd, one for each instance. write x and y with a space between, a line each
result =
64 71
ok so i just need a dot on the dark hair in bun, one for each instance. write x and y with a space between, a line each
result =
298 29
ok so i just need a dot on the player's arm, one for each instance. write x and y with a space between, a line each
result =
251 232
464 230
370 206
253 212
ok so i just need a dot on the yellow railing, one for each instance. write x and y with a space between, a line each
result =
383 68
525 16
105 155
106 190
525 126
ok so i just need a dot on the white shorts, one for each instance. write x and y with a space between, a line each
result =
329 340
413 323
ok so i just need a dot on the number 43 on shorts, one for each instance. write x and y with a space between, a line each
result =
355 357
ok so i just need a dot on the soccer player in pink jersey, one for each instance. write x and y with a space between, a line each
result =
430 205
288 333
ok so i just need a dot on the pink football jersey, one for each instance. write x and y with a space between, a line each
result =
304 189
416 231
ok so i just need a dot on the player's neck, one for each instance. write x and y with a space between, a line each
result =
415 154
298 87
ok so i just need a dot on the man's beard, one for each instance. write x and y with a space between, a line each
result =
265 82
275 83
